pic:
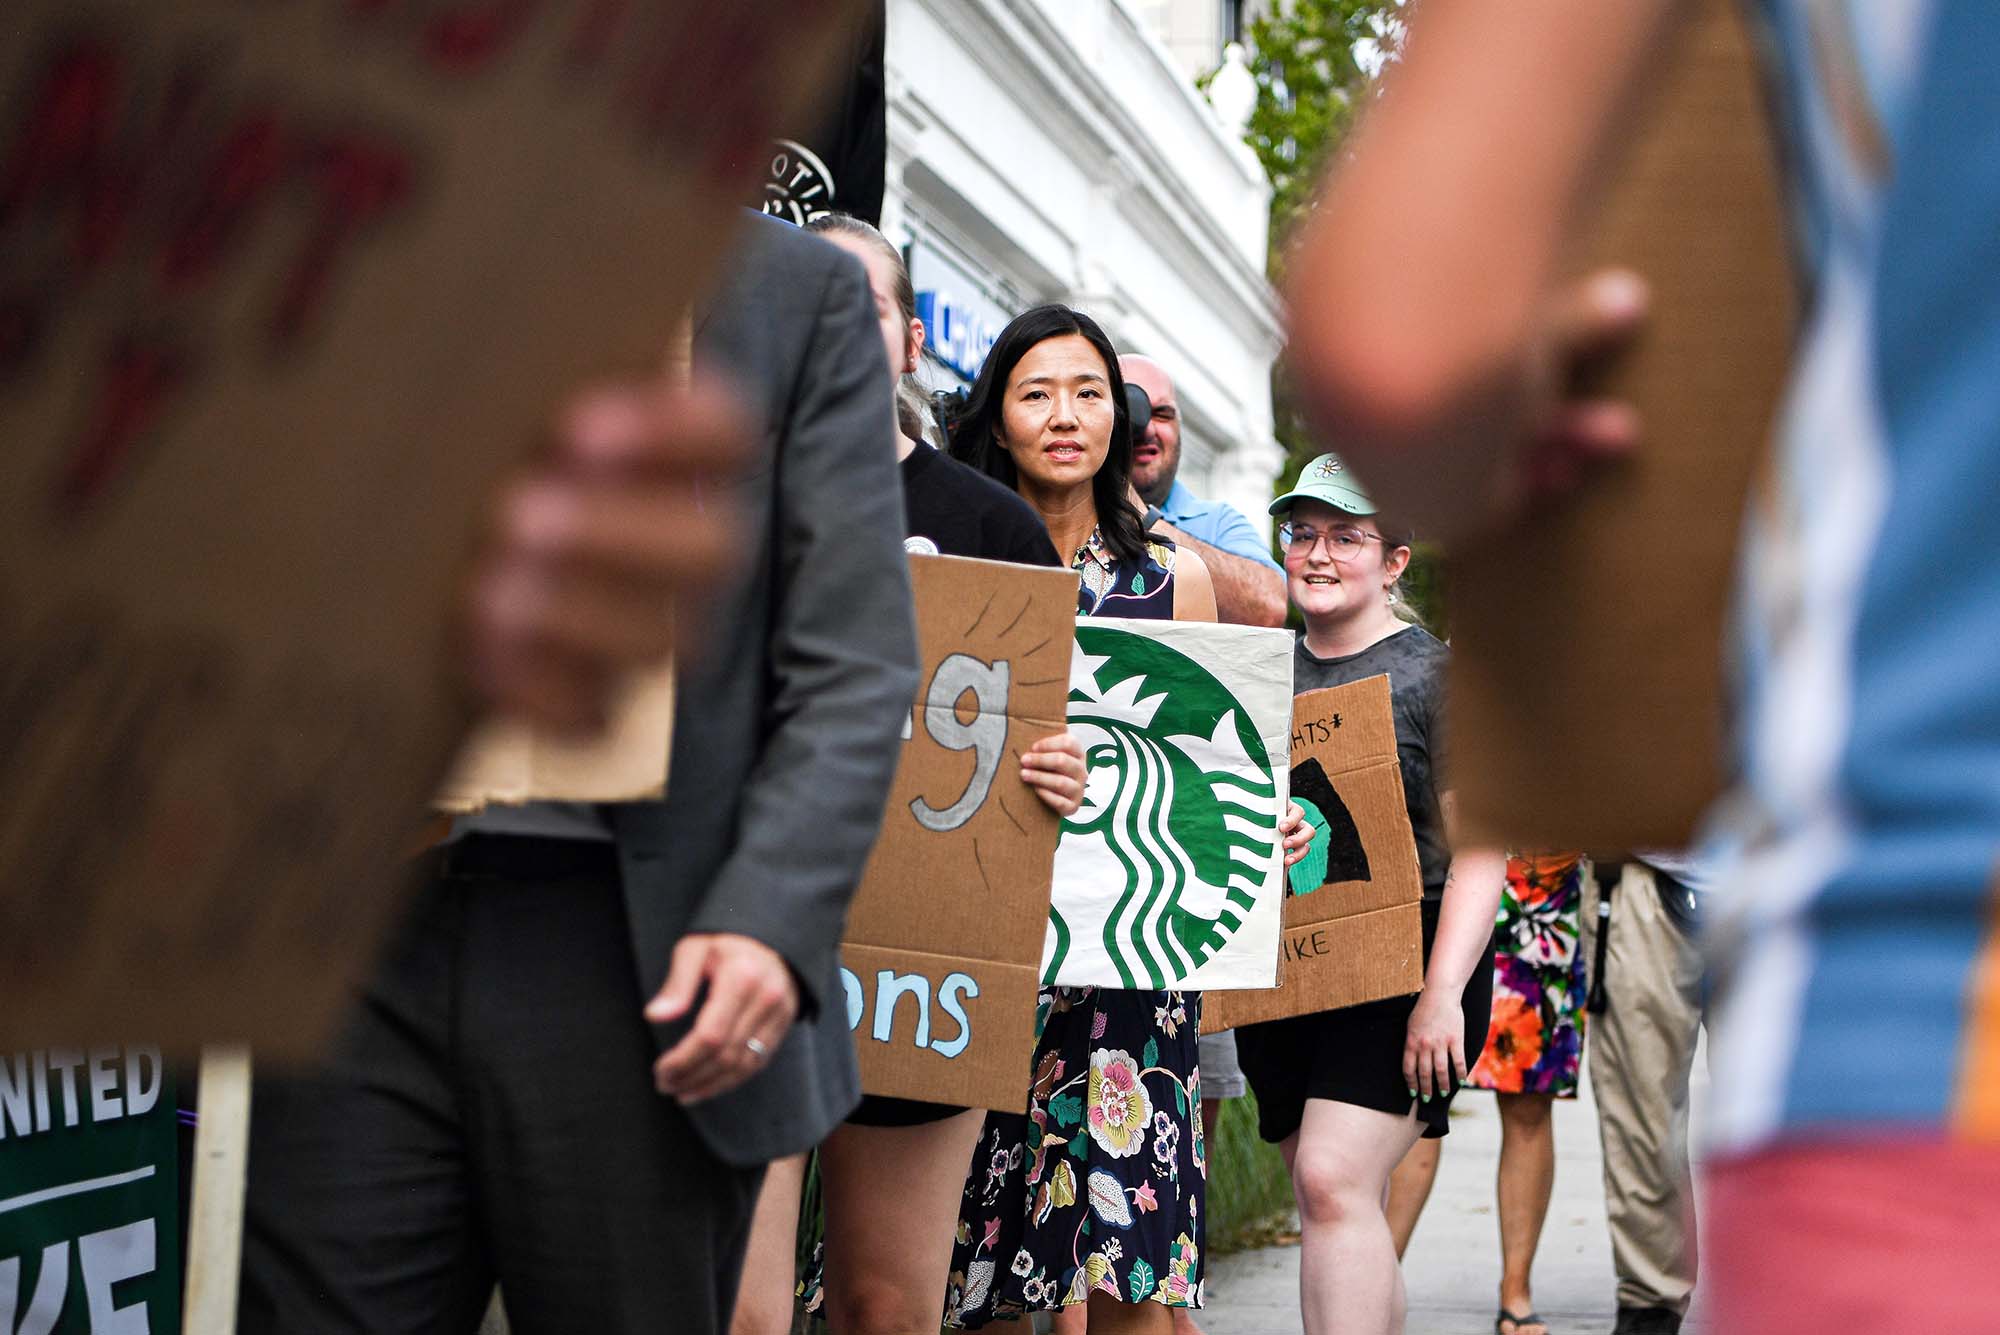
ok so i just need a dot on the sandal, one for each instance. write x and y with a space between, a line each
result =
1528 1319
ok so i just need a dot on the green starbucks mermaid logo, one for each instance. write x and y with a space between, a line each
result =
1179 810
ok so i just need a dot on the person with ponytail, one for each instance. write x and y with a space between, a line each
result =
890 1174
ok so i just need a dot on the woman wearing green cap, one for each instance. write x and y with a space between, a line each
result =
1347 1093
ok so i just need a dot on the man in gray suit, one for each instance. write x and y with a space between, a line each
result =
500 1110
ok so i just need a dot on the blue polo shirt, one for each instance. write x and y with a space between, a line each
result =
1217 523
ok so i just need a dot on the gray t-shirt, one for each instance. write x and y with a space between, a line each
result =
1414 660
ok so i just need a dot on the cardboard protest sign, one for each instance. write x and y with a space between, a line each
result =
1586 676
1170 875
506 763
955 897
284 289
89 1192
1354 919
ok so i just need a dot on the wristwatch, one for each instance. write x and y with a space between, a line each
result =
1152 516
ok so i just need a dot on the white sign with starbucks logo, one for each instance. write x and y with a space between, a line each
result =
1170 875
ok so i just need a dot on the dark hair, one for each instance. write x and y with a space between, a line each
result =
975 427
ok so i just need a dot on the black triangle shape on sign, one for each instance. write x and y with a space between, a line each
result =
1346 859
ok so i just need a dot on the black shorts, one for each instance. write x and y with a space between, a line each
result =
1354 1055
875 1110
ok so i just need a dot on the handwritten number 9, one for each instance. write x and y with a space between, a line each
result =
985 736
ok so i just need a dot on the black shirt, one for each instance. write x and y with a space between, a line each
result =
1414 660
952 509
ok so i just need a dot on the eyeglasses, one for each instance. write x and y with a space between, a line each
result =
1343 544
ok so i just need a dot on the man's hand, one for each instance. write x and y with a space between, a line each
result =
593 546
1054 768
752 1001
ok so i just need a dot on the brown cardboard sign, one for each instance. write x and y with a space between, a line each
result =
284 289
1353 923
507 763
944 941
1586 677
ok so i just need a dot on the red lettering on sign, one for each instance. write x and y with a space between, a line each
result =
62 144
359 181
465 40
249 162
702 84
142 375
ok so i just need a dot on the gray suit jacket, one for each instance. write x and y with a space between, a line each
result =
788 724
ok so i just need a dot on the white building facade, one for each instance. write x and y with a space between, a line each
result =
1054 150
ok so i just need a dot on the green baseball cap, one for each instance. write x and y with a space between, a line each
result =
1326 479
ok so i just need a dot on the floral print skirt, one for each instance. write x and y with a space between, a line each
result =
1098 1187
1535 1042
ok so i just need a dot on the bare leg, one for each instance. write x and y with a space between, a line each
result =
1073 1320
1409 1188
1350 1282
764 1296
891 1205
1108 1316
1526 1178
1184 1322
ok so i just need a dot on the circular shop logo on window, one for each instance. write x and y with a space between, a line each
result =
798 188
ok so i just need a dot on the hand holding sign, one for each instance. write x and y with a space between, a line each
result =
1054 768
594 546
1295 834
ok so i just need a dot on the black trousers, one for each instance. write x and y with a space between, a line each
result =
491 1117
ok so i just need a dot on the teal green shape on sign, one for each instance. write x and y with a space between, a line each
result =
1309 872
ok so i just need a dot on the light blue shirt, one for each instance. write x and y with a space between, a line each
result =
1217 523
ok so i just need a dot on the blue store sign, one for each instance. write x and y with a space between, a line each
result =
961 319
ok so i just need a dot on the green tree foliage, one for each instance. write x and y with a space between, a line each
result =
1315 63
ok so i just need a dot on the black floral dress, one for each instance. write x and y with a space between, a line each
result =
1098 1187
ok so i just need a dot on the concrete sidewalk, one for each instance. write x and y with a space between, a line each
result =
1453 1265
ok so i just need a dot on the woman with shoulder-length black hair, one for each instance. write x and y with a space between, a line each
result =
1115 1079
978 438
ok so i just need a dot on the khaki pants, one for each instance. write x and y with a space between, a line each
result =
1641 1052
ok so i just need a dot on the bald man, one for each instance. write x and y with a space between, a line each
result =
1249 587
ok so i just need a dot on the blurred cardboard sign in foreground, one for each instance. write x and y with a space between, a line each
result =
1353 922
945 936
1586 676
506 762
284 289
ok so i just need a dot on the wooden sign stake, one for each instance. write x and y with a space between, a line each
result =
215 1221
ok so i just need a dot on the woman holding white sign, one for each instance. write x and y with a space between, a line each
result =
1346 1093
1112 1136
891 1173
